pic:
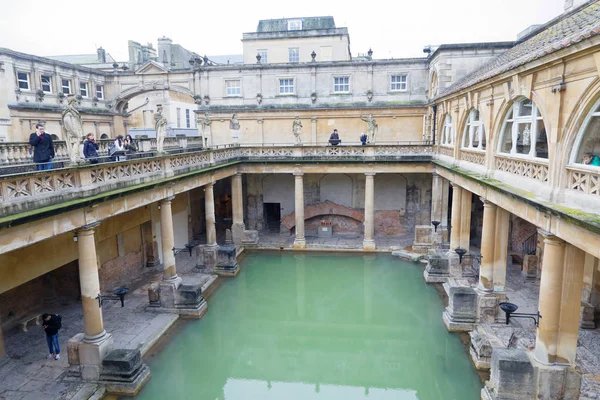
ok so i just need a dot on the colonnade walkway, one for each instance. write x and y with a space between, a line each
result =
25 373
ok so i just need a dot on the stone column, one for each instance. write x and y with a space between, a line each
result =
313 131
455 222
209 208
559 302
501 249
486 271
465 219
237 229
167 239
436 197
299 241
96 343
369 239
90 284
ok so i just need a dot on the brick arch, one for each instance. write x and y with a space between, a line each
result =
324 208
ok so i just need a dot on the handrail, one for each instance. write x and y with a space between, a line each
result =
530 245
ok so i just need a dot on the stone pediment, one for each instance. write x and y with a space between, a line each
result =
151 68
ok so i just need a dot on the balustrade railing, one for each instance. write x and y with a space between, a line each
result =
584 180
473 156
533 169
446 151
20 152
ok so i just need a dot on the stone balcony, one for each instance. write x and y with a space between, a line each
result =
25 194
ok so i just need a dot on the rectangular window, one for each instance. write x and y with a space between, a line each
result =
46 84
286 86
179 117
187 119
341 84
233 88
263 56
294 55
66 86
398 82
99 92
295 25
83 89
23 79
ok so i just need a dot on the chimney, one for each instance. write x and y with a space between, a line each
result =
101 55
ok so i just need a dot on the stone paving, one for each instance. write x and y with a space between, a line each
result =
336 242
26 374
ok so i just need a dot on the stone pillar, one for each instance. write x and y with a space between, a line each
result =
436 197
209 208
465 219
313 132
486 271
559 302
90 284
369 239
299 241
501 249
96 343
455 223
238 227
167 239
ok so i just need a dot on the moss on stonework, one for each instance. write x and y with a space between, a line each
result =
580 218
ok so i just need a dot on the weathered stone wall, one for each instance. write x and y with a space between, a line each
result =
519 231
401 201
129 261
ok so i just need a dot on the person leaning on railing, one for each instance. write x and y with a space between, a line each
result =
90 149
334 139
43 148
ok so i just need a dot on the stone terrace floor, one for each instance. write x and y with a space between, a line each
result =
26 374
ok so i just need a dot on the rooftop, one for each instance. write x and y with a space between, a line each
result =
308 23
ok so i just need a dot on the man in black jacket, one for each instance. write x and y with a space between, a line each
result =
90 149
43 148
52 323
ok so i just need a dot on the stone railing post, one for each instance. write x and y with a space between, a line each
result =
182 141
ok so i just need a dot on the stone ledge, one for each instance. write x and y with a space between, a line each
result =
408 255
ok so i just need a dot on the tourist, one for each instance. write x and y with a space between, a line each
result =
363 138
116 150
129 144
90 149
52 323
43 148
334 139
591 159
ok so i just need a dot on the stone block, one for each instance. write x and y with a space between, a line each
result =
73 348
437 269
91 356
487 307
461 313
206 256
124 373
423 238
168 292
154 295
530 265
188 296
560 382
482 343
587 316
250 238
512 376
408 255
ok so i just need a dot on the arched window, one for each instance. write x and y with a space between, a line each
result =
447 131
523 131
104 136
433 85
474 135
587 147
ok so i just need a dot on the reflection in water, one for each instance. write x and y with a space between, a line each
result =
254 389
317 326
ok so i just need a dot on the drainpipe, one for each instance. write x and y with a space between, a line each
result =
434 121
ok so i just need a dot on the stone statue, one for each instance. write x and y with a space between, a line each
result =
73 127
297 130
234 125
160 125
205 122
371 126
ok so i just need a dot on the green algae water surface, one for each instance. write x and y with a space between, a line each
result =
317 326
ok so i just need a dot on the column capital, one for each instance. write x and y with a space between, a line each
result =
87 229
455 185
487 203
167 200
238 174
211 184
313 119
551 239
298 173
370 173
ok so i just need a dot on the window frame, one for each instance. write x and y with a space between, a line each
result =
516 119
347 77
178 116
188 122
448 131
264 56
471 128
579 140
238 87
27 81
100 92
62 86
293 86
49 83
81 89
297 53
392 83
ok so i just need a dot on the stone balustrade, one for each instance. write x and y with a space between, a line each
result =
31 190
473 156
534 169
18 152
583 179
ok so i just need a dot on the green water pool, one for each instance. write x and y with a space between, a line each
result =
317 326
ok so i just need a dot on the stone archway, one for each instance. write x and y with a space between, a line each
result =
324 208
119 102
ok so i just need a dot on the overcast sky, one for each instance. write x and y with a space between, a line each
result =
392 28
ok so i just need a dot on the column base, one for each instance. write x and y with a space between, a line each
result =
124 373
91 356
461 313
299 243
369 245
487 305
177 297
